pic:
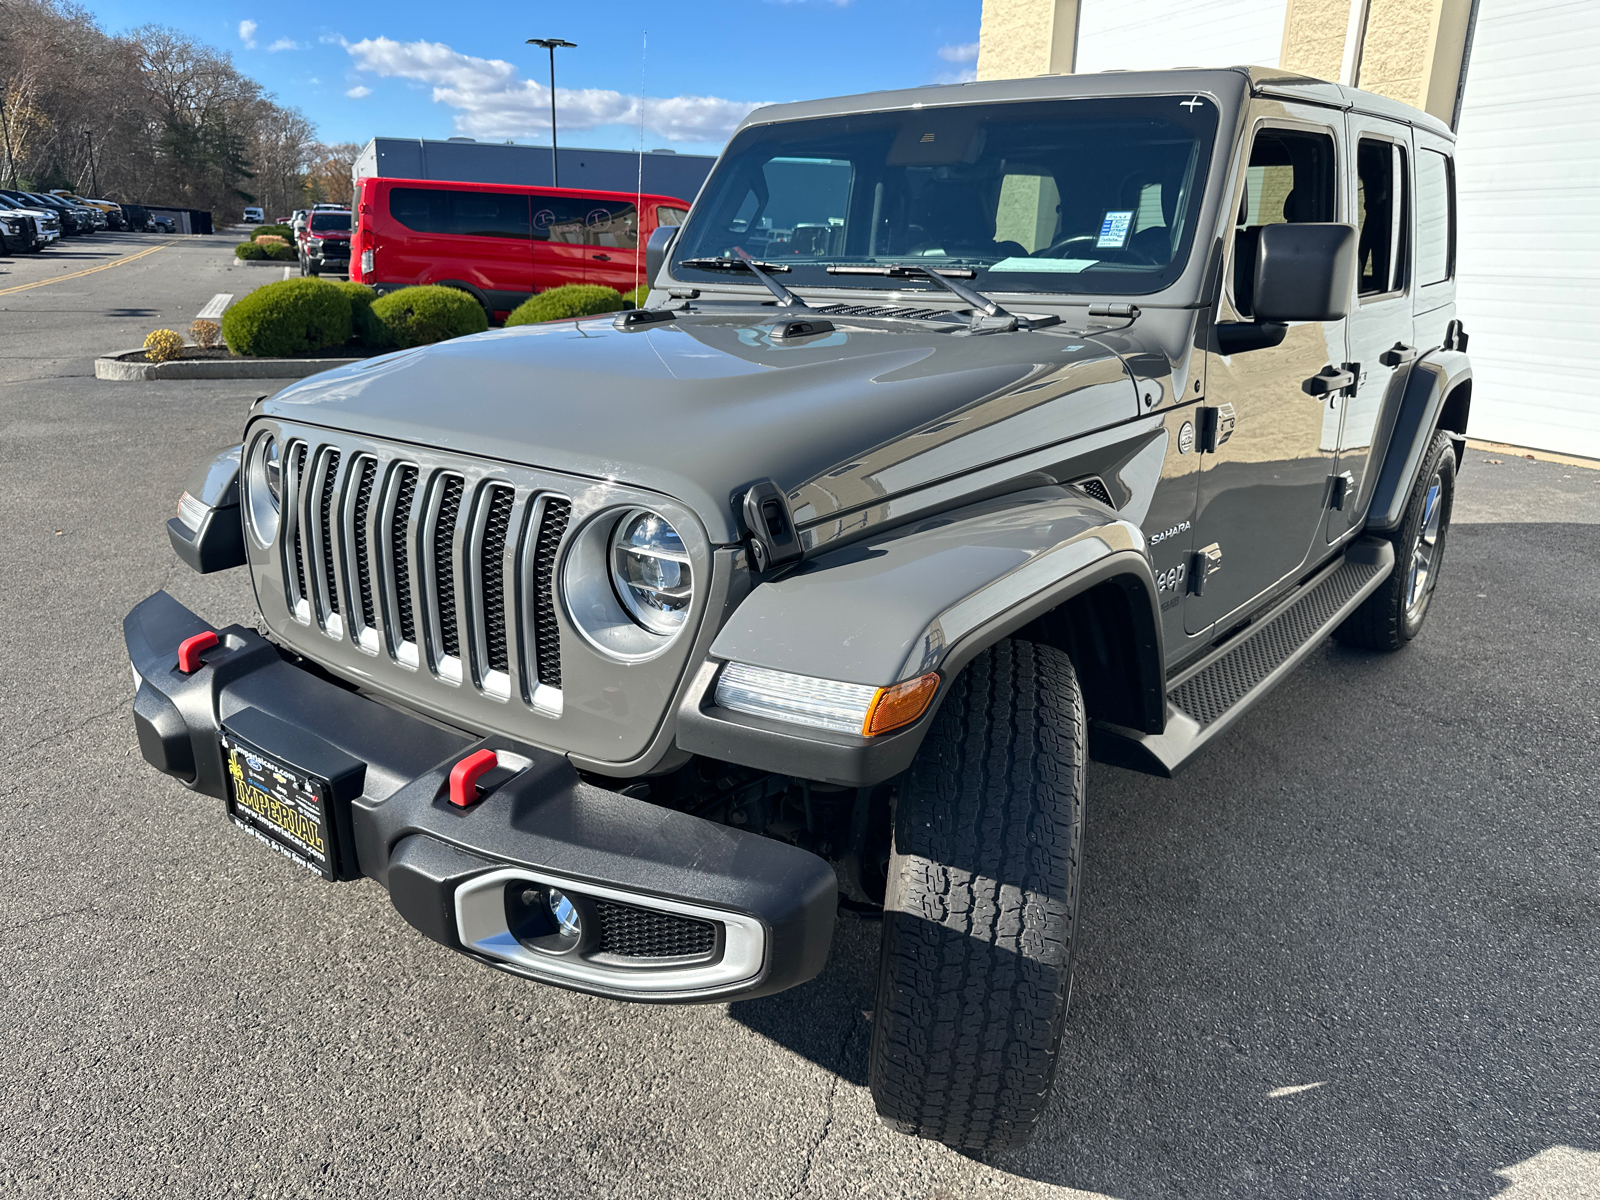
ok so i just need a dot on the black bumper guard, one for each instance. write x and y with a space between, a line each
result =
389 774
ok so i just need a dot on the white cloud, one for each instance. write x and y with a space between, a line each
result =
284 44
359 93
333 39
492 100
247 34
960 54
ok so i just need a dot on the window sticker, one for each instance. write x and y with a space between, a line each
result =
1114 230
1064 266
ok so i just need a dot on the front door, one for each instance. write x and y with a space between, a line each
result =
560 255
611 233
1264 482
1381 341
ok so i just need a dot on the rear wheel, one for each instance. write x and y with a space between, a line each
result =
980 917
1393 615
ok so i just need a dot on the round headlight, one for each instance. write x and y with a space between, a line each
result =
264 489
650 570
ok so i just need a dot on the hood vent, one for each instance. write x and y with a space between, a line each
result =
883 310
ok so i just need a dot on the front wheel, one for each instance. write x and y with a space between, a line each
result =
1393 615
980 916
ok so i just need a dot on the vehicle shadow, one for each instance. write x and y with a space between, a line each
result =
1350 952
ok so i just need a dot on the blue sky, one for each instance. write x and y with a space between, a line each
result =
419 68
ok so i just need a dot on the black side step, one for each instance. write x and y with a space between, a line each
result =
1206 699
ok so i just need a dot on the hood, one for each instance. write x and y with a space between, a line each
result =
700 407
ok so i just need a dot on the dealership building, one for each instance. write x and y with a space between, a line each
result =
1516 79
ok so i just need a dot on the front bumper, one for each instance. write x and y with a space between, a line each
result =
449 870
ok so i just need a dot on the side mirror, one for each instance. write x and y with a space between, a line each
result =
1304 272
655 251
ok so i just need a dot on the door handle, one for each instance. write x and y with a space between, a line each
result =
1331 381
601 257
1396 354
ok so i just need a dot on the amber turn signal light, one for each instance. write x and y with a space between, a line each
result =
899 705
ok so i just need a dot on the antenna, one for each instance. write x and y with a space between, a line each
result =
638 198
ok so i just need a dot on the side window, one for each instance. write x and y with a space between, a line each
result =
1382 218
559 219
667 215
1290 179
470 214
1436 218
612 223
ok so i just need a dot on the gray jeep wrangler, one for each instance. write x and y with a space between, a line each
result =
968 432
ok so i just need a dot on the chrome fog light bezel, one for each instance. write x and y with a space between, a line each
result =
263 506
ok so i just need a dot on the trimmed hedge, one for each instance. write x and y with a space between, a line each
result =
565 302
636 298
282 231
288 319
249 251
368 329
283 253
420 316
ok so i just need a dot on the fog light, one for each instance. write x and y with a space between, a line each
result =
567 919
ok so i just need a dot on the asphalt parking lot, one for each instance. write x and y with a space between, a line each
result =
1352 952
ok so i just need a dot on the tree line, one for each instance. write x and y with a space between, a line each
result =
150 116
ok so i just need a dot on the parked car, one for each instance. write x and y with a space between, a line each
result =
27 230
621 652
502 242
110 210
75 218
325 242
253 216
164 224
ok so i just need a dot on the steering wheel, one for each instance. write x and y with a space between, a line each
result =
1086 241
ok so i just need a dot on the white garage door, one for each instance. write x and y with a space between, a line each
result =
1150 35
1528 185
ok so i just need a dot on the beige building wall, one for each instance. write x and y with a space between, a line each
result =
1019 38
1408 50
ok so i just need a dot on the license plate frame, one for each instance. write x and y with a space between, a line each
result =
285 807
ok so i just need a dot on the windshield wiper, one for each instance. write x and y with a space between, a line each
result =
912 271
759 269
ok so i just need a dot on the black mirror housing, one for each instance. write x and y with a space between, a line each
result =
655 251
1305 272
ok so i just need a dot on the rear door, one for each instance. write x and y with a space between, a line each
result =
1381 333
611 233
560 254
479 236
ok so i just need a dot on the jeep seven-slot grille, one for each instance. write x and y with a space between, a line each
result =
444 563
400 557
330 474
547 636
497 524
363 510
396 534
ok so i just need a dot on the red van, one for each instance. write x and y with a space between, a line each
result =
502 242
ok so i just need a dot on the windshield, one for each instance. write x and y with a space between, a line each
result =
330 222
1092 196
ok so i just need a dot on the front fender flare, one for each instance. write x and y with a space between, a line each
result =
925 597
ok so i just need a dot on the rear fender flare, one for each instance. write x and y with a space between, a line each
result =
1439 387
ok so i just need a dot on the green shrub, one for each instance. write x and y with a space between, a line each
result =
283 252
635 298
249 250
288 318
282 231
565 302
419 316
369 330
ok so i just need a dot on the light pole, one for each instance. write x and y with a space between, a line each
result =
550 44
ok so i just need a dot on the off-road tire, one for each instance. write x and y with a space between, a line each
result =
313 269
980 917
1386 620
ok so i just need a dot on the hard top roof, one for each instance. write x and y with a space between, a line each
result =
1222 82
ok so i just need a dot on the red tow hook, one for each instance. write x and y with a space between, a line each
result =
465 774
190 650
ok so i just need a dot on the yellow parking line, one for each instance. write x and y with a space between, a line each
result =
116 262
